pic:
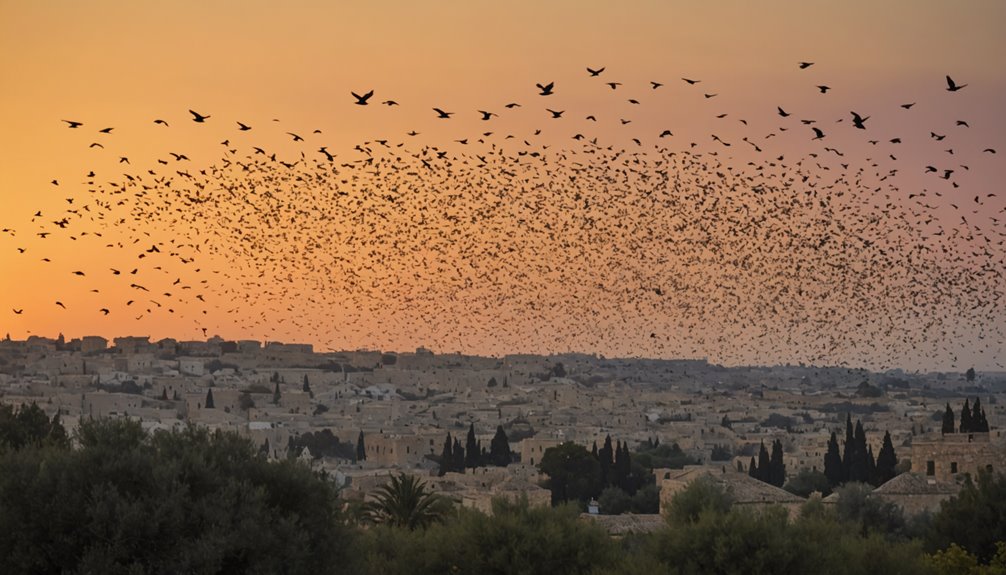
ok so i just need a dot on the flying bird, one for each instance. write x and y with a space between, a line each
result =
197 117
546 90
953 87
73 124
805 65
442 114
362 100
858 121
595 72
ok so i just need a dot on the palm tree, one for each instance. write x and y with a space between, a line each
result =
405 501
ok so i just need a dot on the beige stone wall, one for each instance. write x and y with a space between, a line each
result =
936 457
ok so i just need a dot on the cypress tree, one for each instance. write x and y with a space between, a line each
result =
966 417
471 448
833 462
948 421
499 449
764 464
447 456
275 394
859 470
209 399
978 422
361 449
777 467
871 467
753 468
307 386
848 448
606 457
459 457
164 394
886 460
593 450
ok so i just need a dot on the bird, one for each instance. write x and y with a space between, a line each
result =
614 85
655 85
908 106
17 311
296 138
60 304
989 151
73 124
824 89
953 87
858 121
442 114
595 72
197 117
104 311
512 105
390 103
486 115
818 134
362 100
105 130
805 65
161 122
556 114
782 112
546 90
665 133
691 82
243 127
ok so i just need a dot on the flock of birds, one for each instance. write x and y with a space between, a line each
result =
496 242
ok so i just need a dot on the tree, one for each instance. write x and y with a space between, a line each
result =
833 462
307 386
948 421
458 465
859 468
970 374
472 450
276 394
808 481
573 475
725 422
606 457
447 456
499 450
209 399
848 448
973 519
405 501
887 461
361 449
966 417
978 422
764 464
777 467
702 495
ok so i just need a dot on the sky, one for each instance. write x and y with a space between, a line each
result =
290 67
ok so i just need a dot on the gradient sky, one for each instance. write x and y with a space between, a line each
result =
122 64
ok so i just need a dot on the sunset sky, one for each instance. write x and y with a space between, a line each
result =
290 67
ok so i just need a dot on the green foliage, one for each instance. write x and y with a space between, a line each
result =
615 501
321 443
663 456
808 481
405 501
516 539
573 473
974 519
704 495
29 426
499 450
858 506
185 502
955 560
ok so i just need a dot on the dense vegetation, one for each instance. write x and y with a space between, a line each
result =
125 501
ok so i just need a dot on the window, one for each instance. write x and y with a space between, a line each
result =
930 468
953 467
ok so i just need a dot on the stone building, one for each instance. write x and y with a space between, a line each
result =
946 457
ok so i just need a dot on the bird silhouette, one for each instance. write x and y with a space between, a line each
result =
362 100
72 124
805 65
858 121
546 90
595 72
952 87
197 117
442 114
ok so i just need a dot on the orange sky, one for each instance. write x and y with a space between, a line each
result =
124 64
